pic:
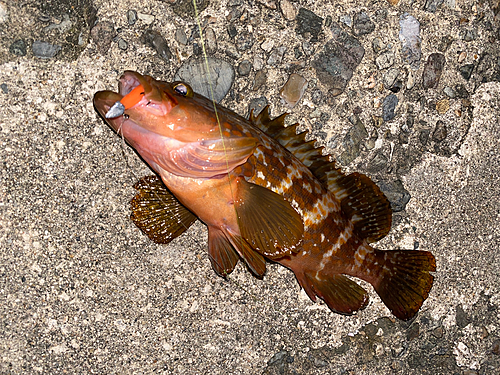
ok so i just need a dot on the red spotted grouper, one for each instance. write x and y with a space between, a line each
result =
263 192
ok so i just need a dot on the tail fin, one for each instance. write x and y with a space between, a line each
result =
403 282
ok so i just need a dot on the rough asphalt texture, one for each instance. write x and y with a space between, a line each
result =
82 290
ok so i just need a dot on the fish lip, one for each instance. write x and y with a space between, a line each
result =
129 81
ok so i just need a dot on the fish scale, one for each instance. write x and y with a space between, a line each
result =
263 192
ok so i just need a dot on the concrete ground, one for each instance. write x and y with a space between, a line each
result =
82 290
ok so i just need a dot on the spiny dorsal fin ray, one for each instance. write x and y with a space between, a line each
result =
157 213
360 198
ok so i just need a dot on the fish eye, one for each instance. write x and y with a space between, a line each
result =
183 89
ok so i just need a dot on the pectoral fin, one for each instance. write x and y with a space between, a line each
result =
157 212
267 221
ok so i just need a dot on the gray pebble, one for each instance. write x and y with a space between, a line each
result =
432 5
257 105
390 77
395 193
260 79
45 50
308 24
362 24
378 163
466 71
276 56
232 52
131 16
389 107
4 88
377 45
440 132
244 68
194 72
18 48
346 19
449 92
244 41
385 60
122 44
155 40
468 35
409 35
181 37
210 41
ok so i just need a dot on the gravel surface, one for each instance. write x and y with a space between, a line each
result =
405 91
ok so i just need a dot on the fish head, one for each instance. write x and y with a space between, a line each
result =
166 109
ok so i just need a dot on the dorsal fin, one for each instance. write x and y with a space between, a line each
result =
360 198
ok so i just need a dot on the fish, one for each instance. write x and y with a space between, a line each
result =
264 193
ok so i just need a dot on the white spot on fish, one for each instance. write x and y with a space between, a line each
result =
322 237
261 175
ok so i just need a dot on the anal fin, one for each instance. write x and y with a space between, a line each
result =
157 213
341 294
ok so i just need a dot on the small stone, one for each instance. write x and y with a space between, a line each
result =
346 19
377 45
244 41
461 91
232 52
267 45
257 105
244 68
424 136
377 164
194 72
308 48
317 96
462 56
276 56
449 92
156 41
389 107
432 70
4 88
102 34
466 71
45 50
18 48
440 132
260 79
445 43
495 348
288 10
442 106
131 17
362 24
413 332
122 44
385 60
432 5
468 35
390 77
411 80
232 31
438 332
293 90
181 37
308 24
4 13
210 41
393 2
146 18
409 35
395 192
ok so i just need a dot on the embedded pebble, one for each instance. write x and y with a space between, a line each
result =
352 141
244 41
4 88
232 52
131 17
468 35
466 71
335 64
257 105
18 48
276 56
156 41
267 45
440 132
409 35
260 79
146 18
244 68
411 80
122 44
462 56
389 107
432 5
449 92
102 34
432 70
258 63
442 106
346 19
395 193
390 77
362 24
317 96
288 10
4 13
293 90
308 24
181 37
194 72
385 60
45 50
210 41
377 45
378 163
